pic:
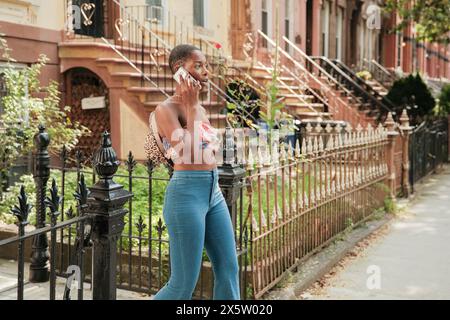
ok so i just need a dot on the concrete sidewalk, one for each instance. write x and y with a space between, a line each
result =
411 255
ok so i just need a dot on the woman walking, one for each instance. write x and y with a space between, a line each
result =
195 211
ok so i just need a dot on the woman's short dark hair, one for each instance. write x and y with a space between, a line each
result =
180 53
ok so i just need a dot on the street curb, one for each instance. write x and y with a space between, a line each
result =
322 262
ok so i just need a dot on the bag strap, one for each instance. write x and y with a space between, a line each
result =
154 129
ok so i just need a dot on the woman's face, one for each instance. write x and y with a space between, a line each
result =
198 67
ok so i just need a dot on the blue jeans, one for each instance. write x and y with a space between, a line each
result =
196 216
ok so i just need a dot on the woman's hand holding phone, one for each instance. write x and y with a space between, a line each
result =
190 92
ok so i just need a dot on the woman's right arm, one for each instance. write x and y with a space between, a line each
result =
170 128
167 119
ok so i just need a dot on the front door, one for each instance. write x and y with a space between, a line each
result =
92 14
240 25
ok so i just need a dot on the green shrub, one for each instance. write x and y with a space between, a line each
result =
140 201
411 92
364 74
390 205
444 100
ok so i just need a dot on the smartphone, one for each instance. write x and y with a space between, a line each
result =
183 73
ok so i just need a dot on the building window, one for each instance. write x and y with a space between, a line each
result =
199 13
325 18
399 49
288 29
339 27
362 41
155 11
265 23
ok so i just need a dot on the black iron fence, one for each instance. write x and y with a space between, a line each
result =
79 225
428 148
111 234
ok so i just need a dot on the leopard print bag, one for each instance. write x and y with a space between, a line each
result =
153 146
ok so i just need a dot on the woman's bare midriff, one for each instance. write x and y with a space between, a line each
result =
194 167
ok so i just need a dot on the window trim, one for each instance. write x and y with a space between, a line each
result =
205 15
290 17
165 12
325 23
269 18
340 32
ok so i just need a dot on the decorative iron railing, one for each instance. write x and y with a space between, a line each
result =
286 202
377 107
428 149
366 86
315 79
298 200
85 226
379 72
140 261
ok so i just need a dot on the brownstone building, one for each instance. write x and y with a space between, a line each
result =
118 53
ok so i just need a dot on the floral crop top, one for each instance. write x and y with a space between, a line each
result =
208 136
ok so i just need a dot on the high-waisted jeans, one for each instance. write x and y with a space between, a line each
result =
196 216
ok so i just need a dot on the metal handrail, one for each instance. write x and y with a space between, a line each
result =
377 69
303 68
142 74
382 68
312 92
216 89
362 82
316 65
267 69
43 230
323 71
364 94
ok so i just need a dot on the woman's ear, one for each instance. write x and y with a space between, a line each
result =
177 65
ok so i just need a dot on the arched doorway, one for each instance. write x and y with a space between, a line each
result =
88 97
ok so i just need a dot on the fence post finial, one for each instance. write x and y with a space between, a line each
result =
105 205
404 119
390 123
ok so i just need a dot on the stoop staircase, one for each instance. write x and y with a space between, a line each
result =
136 60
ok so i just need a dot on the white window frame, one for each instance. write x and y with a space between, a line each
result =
399 48
165 13
289 16
206 5
339 32
362 42
269 17
326 27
